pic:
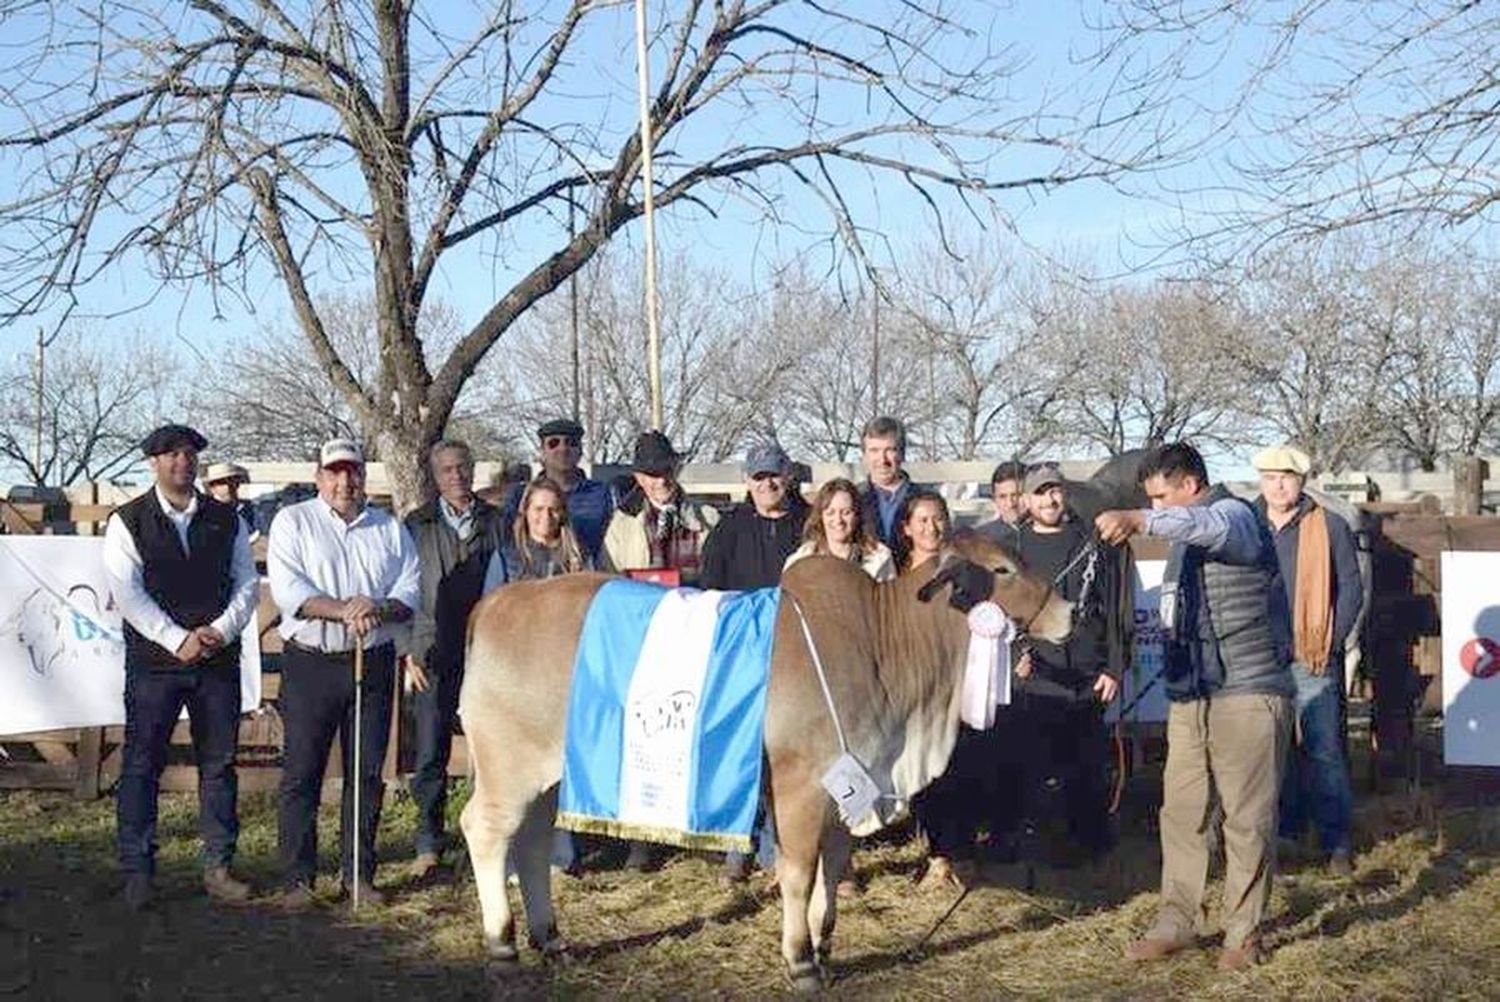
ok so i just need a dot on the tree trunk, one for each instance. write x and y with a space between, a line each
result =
405 470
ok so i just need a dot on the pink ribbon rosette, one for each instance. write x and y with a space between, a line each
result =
986 681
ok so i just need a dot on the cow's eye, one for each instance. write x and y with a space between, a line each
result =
1003 569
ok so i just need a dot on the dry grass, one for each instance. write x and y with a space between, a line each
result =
1417 919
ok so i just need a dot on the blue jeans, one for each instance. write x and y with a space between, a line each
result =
153 699
1316 788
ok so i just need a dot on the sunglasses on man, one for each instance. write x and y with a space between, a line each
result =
560 441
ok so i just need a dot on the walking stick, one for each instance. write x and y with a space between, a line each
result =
359 678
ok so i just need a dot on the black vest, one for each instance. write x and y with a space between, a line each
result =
193 588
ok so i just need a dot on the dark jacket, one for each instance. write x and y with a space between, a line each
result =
869 510
1097 644
747 551
1348 586
590 505
1231 631
193 588
452 579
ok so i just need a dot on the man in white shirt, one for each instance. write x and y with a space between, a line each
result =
342 572
181 572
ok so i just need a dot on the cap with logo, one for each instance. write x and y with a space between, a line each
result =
340 450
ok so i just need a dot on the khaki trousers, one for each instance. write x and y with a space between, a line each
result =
1235 747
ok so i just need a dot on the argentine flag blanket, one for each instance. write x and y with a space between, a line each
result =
665 727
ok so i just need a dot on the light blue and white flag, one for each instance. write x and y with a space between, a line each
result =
666 720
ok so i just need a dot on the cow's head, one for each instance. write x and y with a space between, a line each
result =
977 568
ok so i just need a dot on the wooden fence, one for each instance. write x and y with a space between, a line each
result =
1400 638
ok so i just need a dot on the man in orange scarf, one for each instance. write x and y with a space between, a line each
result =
1316 551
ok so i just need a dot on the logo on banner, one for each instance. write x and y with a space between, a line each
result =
57 631
1480 657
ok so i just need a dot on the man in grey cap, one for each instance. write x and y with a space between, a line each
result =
180 570
748 549
1057 745
750 545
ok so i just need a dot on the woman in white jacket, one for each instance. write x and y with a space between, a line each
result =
834 529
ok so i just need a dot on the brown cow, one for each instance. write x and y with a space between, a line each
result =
892 654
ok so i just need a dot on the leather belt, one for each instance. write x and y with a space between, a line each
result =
348 655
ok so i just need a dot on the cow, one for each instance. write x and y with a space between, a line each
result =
892 655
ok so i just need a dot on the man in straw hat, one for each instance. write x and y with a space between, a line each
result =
180 570
1320 570
342 572
223 481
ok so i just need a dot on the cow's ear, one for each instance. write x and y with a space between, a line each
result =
971 584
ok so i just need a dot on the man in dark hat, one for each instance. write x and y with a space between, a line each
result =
589 503
657 524
180 569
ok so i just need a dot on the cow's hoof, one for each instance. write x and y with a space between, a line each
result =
501 960
806 978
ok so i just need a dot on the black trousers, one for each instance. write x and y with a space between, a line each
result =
317 703
950 810
1052 770
435 712
154 699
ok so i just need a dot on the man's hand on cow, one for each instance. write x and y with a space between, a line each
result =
190 650
1023 665
1117 526
1106 688
416 674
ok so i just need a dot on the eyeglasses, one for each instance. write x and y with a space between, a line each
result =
560 441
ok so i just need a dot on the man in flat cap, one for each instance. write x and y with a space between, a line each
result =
657 524
1320 571
589 502
180 569
343 573
223 481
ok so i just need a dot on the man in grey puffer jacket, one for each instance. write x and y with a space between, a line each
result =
1227 675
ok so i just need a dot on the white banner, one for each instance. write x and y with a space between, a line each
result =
1471 658
1144 672
62 655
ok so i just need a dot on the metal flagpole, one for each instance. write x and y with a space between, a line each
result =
359 678
653 340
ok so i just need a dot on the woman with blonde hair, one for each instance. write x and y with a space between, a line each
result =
834 528
541 543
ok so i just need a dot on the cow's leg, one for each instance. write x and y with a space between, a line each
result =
823 909
532 859
488 831
800 821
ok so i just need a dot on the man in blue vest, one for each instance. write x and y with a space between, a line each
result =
1228 677
181 572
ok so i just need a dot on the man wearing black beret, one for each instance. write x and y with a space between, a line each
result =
180 569
589 503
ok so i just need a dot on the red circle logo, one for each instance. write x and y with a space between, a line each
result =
1480 657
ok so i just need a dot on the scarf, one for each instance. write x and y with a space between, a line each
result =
1312 602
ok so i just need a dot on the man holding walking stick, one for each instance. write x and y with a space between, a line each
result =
342 572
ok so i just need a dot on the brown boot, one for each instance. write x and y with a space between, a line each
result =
296 898
368 895
221 886
1240 958
1151 948
424 866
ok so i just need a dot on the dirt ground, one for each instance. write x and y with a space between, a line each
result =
1417 919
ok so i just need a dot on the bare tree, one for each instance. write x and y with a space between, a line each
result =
1344 113
722 359
98 402
1150 371
1314 365
209 139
